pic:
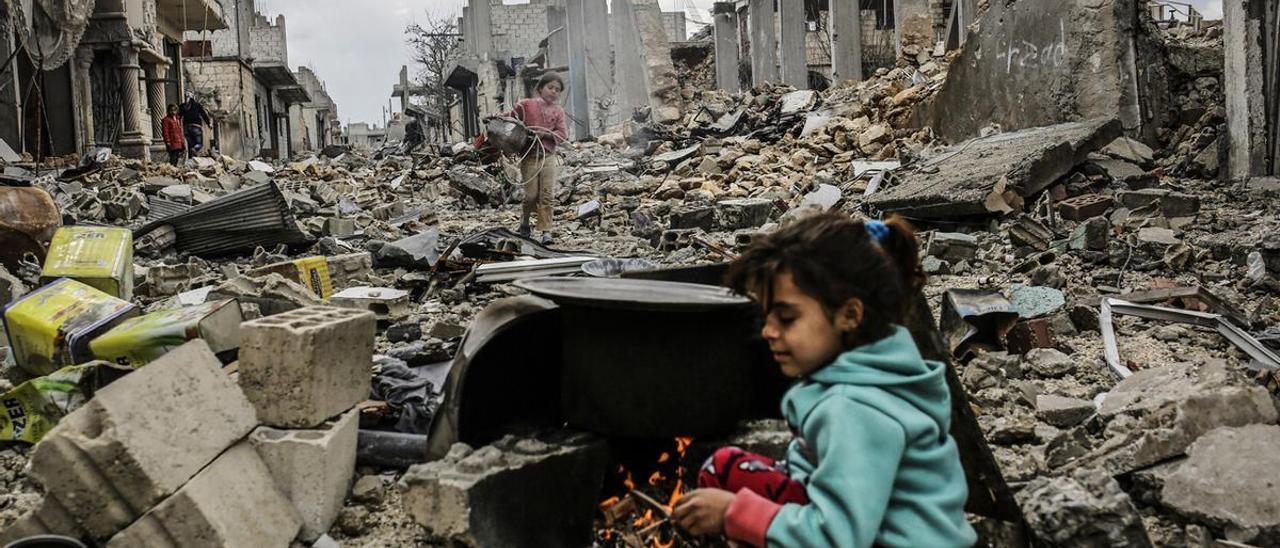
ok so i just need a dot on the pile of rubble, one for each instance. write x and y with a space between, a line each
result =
1109 307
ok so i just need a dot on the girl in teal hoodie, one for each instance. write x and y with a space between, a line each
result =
872 463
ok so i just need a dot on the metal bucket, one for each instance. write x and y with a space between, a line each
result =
507 134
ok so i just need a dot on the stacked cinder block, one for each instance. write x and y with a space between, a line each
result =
133 450
304 371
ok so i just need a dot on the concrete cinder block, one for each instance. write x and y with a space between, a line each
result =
516 492
141 438
302 367
312 468
232 502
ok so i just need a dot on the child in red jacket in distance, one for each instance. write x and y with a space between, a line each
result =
171 128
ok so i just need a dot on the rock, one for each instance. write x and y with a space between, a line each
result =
1049 362
1157 236
1062 412
1120 170
1091 234
368 489
1037 301
742 214
1171 204
1169 407
1085 509
934 265
404 332
417 251
698 216
878 133
353 521
1129 150
1012 429
1229 482
952 246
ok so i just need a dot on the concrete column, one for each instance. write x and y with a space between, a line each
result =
579 105
914 22
600 91
468 34
482 26
155 100
846 40
795 66
404 88
727 55
84 97
1251 125
633 85
133 142
764 42
558 42
662 81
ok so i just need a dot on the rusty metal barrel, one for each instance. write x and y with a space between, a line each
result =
28 219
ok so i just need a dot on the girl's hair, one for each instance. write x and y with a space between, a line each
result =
547 78
170 107
832 258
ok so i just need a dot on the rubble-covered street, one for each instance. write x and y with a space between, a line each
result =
336 338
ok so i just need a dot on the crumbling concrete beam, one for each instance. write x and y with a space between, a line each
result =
1251 34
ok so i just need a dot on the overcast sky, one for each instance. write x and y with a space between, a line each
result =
357 46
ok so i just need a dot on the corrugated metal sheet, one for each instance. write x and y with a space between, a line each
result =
159 208
240 221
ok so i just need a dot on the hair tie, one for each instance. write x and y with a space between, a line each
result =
877 230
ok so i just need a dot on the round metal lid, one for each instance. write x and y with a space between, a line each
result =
623 293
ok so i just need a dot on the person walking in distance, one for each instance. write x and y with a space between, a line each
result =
194 118
540 166
171 128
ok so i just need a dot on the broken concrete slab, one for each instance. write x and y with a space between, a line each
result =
1227 482
1085 509
972 178
1061 411
516 492
744 213
141 438
232 502
386 303
417 251
1170 203
312 468
302 367
1170 407
1130 150
952 246
1055 61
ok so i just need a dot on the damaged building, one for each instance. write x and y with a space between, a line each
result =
294 343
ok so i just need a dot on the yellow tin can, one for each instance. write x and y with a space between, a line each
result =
312 272
101 257
143 339
51 327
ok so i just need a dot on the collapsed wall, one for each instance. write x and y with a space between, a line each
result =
1035 63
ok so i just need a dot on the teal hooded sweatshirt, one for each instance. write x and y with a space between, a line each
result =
873 451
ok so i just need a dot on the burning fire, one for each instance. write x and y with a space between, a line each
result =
636 518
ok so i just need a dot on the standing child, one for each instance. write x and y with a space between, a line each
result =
540 166
171 128
872 463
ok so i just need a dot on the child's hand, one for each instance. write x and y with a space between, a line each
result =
701 511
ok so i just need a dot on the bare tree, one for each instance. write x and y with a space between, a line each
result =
435 49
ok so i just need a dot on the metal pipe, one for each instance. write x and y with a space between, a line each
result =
393 449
